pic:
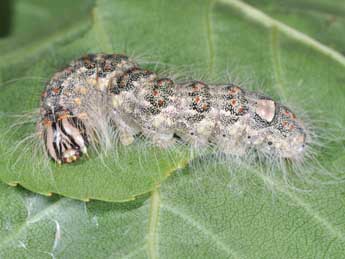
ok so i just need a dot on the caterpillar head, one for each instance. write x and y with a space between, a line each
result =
64 141
284 135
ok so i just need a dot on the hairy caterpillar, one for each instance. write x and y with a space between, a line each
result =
227 117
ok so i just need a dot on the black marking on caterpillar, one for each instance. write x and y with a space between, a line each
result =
138 101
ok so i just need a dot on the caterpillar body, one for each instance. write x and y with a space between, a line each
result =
227 117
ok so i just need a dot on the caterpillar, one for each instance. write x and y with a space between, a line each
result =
138 101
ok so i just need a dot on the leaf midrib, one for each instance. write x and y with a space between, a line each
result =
257 16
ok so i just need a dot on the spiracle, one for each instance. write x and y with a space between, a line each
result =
139 101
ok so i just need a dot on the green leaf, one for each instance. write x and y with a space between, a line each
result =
205 211
34 27
194 214
118 176
322 20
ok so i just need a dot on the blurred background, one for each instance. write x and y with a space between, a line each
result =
6 17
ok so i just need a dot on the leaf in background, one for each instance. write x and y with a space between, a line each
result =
322 20
198 213
36 26
194 214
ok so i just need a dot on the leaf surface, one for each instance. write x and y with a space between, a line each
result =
192 215
206 213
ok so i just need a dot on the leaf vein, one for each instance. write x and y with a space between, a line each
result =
260 17
152 237
276 62
209 32
200 227
99 26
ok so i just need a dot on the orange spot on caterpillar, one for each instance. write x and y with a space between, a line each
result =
82 115
69 70
46 122
56 90
44 94
63 116
164 81
233 102
234 90
196 88
160 102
